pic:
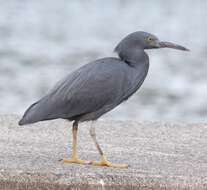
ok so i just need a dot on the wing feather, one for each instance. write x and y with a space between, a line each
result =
103 82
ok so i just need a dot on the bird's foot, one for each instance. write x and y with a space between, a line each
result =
76 161
105 162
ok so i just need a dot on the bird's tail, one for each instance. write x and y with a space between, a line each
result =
39 111
28 115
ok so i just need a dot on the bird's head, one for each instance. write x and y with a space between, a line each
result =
143 40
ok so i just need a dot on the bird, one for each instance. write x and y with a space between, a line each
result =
96 88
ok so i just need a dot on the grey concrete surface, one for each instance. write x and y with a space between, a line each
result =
161 156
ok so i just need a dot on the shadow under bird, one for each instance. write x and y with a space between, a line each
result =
96 88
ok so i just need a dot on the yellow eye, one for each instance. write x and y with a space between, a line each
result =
149 39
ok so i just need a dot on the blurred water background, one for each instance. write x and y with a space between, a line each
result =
43 40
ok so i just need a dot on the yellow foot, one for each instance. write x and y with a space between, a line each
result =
76 161
105 162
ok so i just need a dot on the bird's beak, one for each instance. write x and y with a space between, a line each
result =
172 45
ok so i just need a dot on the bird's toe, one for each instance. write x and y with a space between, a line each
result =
105 162
76 161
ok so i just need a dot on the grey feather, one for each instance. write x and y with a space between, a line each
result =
99 86
91 91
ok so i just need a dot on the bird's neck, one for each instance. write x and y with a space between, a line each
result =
134 57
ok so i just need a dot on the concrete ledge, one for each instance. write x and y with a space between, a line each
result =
161 156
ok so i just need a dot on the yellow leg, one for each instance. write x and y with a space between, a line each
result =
104 161
74 157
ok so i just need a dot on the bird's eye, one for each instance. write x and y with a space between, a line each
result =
149 39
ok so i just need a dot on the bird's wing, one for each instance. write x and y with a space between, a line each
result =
97 84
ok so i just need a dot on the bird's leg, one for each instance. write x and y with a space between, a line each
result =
104 161
74 156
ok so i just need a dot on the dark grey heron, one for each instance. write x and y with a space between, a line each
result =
96 88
